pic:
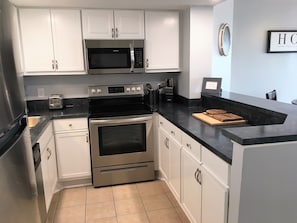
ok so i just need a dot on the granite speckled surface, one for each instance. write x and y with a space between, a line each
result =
73 108
209 136
272 121
268 121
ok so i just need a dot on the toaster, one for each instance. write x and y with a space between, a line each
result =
55 101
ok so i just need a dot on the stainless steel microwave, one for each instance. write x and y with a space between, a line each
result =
115 56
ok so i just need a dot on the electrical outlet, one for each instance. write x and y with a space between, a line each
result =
40 92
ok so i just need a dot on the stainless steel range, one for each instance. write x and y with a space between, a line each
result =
121 135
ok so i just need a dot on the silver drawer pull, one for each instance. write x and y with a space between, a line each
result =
189 146
172 132
70 125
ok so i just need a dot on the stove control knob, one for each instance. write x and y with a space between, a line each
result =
128 89
138 88
99 91
93 91
133 89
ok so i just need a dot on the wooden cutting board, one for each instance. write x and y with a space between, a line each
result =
211 121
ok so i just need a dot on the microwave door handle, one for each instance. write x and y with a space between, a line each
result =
132 57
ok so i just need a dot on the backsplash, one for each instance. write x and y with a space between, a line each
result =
76 86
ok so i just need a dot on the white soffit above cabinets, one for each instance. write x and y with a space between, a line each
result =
124 4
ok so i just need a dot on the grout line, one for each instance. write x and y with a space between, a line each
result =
86 197
113 199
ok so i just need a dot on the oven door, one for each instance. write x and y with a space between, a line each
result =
121 140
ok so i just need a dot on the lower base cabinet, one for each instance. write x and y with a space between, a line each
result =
48 163
73 149
201 177
73 155
214 199
190 186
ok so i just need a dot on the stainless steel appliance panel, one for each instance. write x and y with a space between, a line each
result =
123 174
11 98
122 158
115 56
18 202
39 182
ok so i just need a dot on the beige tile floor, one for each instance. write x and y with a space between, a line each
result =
147 202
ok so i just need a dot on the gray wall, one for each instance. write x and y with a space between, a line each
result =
255 72
76 86
221 65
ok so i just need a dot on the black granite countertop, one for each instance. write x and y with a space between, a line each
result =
268 121
272 122
73 108
209 136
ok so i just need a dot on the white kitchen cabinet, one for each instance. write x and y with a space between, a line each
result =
174 166
73 150
113 24
51 40
162 41
164 153
191 177
215 198
215 189
48 164
170 147
190 186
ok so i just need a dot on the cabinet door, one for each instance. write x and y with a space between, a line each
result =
190 187
52 165
35 27
129 24
45 177
174 165
162 41
164 153
67 36
73 155
97 24
214 199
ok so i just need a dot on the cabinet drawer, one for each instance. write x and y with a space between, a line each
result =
45 137
192 146
216 165
70 124
170 128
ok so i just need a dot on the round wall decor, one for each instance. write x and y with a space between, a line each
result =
224 43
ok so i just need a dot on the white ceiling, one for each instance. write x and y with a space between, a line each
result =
131 4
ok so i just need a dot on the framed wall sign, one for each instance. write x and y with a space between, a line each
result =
211 85
282 41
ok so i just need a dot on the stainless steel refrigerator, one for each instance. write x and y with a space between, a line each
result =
18 196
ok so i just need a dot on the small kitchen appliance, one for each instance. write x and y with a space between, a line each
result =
115 56
55 101
121 135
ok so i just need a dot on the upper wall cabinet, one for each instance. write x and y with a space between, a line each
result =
113 24
51 40
162 41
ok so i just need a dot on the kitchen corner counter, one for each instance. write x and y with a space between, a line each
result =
73 108
268 122
277 121
209 136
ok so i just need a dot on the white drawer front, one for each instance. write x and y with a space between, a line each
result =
192 146
71 124
216 165
170 128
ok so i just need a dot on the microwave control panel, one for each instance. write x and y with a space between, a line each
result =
117 90
138 53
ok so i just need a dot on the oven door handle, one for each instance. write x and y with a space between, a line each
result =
119 121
